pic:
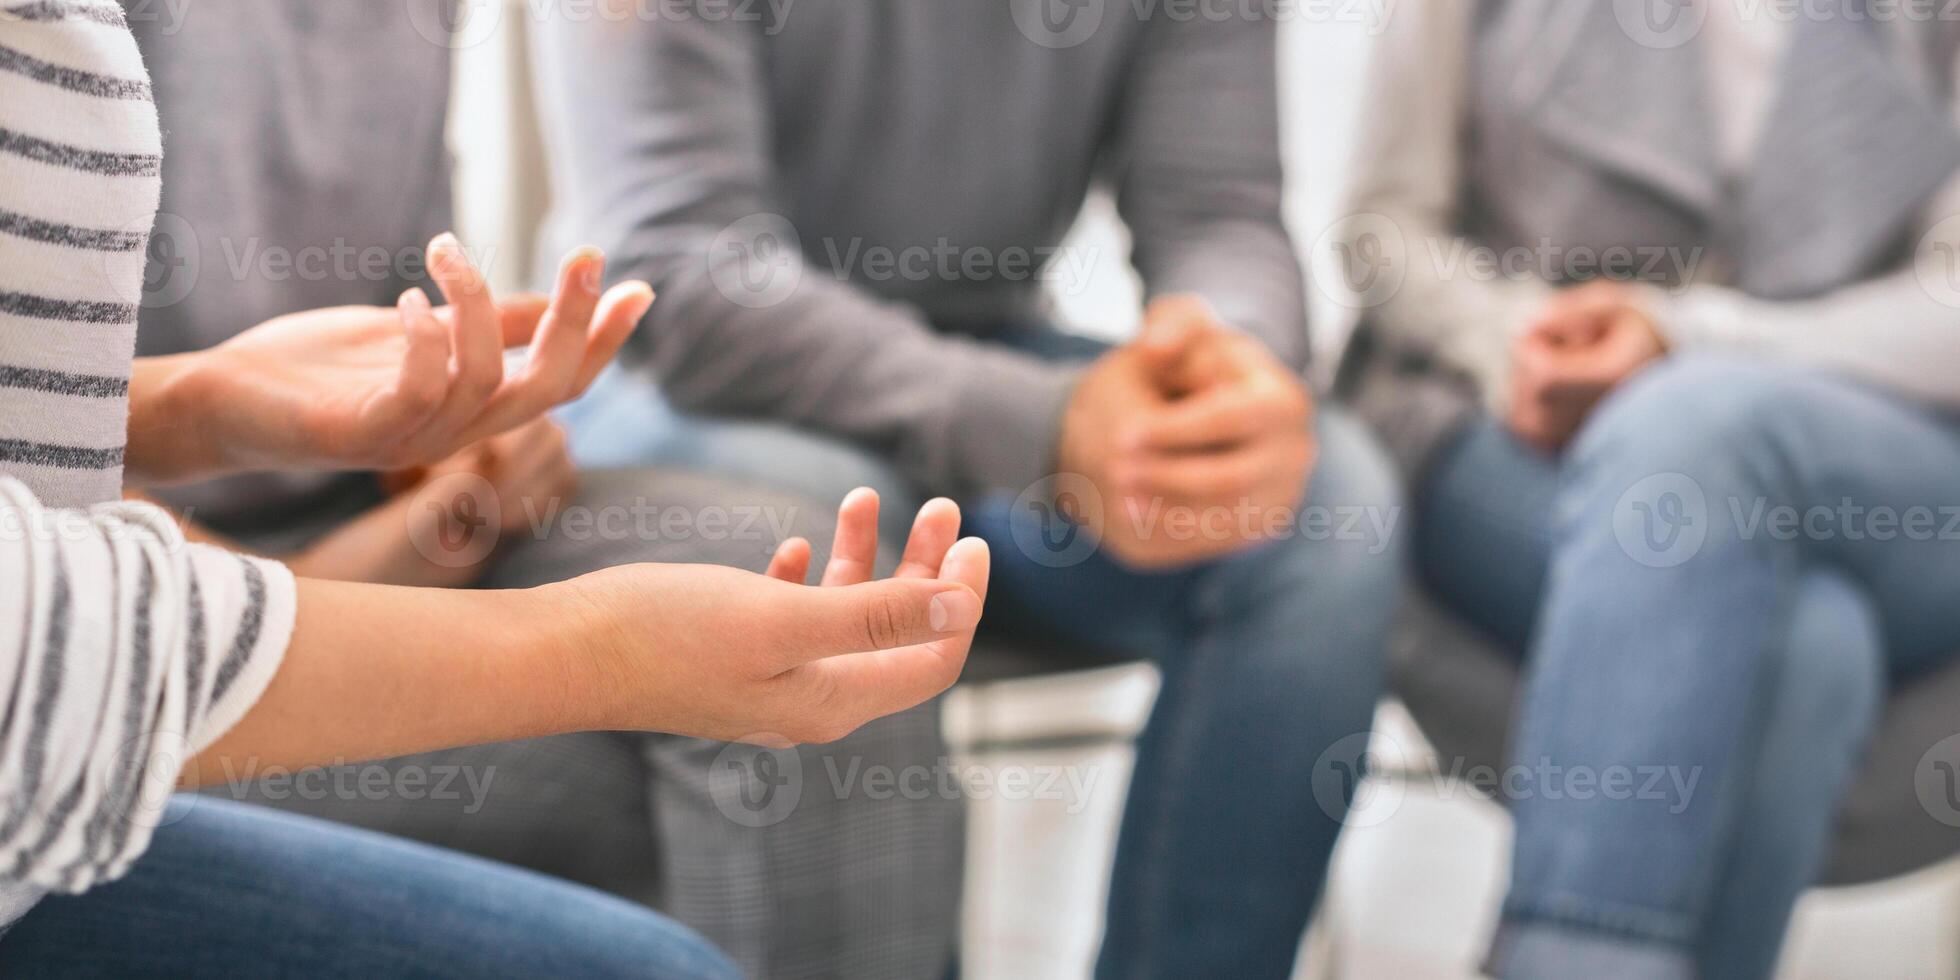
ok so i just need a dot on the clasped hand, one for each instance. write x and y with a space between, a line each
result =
1198 441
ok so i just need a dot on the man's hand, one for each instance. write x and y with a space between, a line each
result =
1193 420
1585 343
373 388
725 654
527 469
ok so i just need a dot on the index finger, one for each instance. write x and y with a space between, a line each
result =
1217 418
476 326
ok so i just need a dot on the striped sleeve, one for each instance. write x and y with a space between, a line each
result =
127 651
80 178
123 649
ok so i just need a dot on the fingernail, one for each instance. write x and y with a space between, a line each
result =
592 274
447 252
954 612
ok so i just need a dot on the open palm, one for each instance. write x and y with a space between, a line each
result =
381 388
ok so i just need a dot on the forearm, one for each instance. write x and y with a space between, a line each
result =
1202 187
1419 283
378 671
683 197
1891 332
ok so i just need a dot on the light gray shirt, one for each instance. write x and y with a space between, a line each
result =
1899 329
837 199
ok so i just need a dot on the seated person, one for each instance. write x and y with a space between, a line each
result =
274 200
840 209
135 661
1618 510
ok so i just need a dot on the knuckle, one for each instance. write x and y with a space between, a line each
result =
881 618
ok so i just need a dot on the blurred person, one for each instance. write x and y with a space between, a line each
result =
848 207
280 118
136 660
1732 332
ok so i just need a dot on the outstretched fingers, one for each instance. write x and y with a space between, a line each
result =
791 562
933 534
854 549
873 684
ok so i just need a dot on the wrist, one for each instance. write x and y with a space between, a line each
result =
172 412
588 665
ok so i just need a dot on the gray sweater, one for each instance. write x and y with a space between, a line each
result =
837 199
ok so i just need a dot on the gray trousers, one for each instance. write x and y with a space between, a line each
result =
795 863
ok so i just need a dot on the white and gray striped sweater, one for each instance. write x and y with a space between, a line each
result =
123 650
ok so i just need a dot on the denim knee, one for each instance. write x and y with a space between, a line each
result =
1830 687
1721 420
1346 548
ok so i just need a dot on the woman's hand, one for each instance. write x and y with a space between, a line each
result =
526 469
724 654
375 671
1587 341
375 388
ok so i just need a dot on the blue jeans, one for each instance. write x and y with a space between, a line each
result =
1676 626
228 889
1272 664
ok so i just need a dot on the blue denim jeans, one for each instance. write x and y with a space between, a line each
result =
228 889
1677 625
1272 664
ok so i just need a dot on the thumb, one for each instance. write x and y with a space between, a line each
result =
881 615
1175 343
